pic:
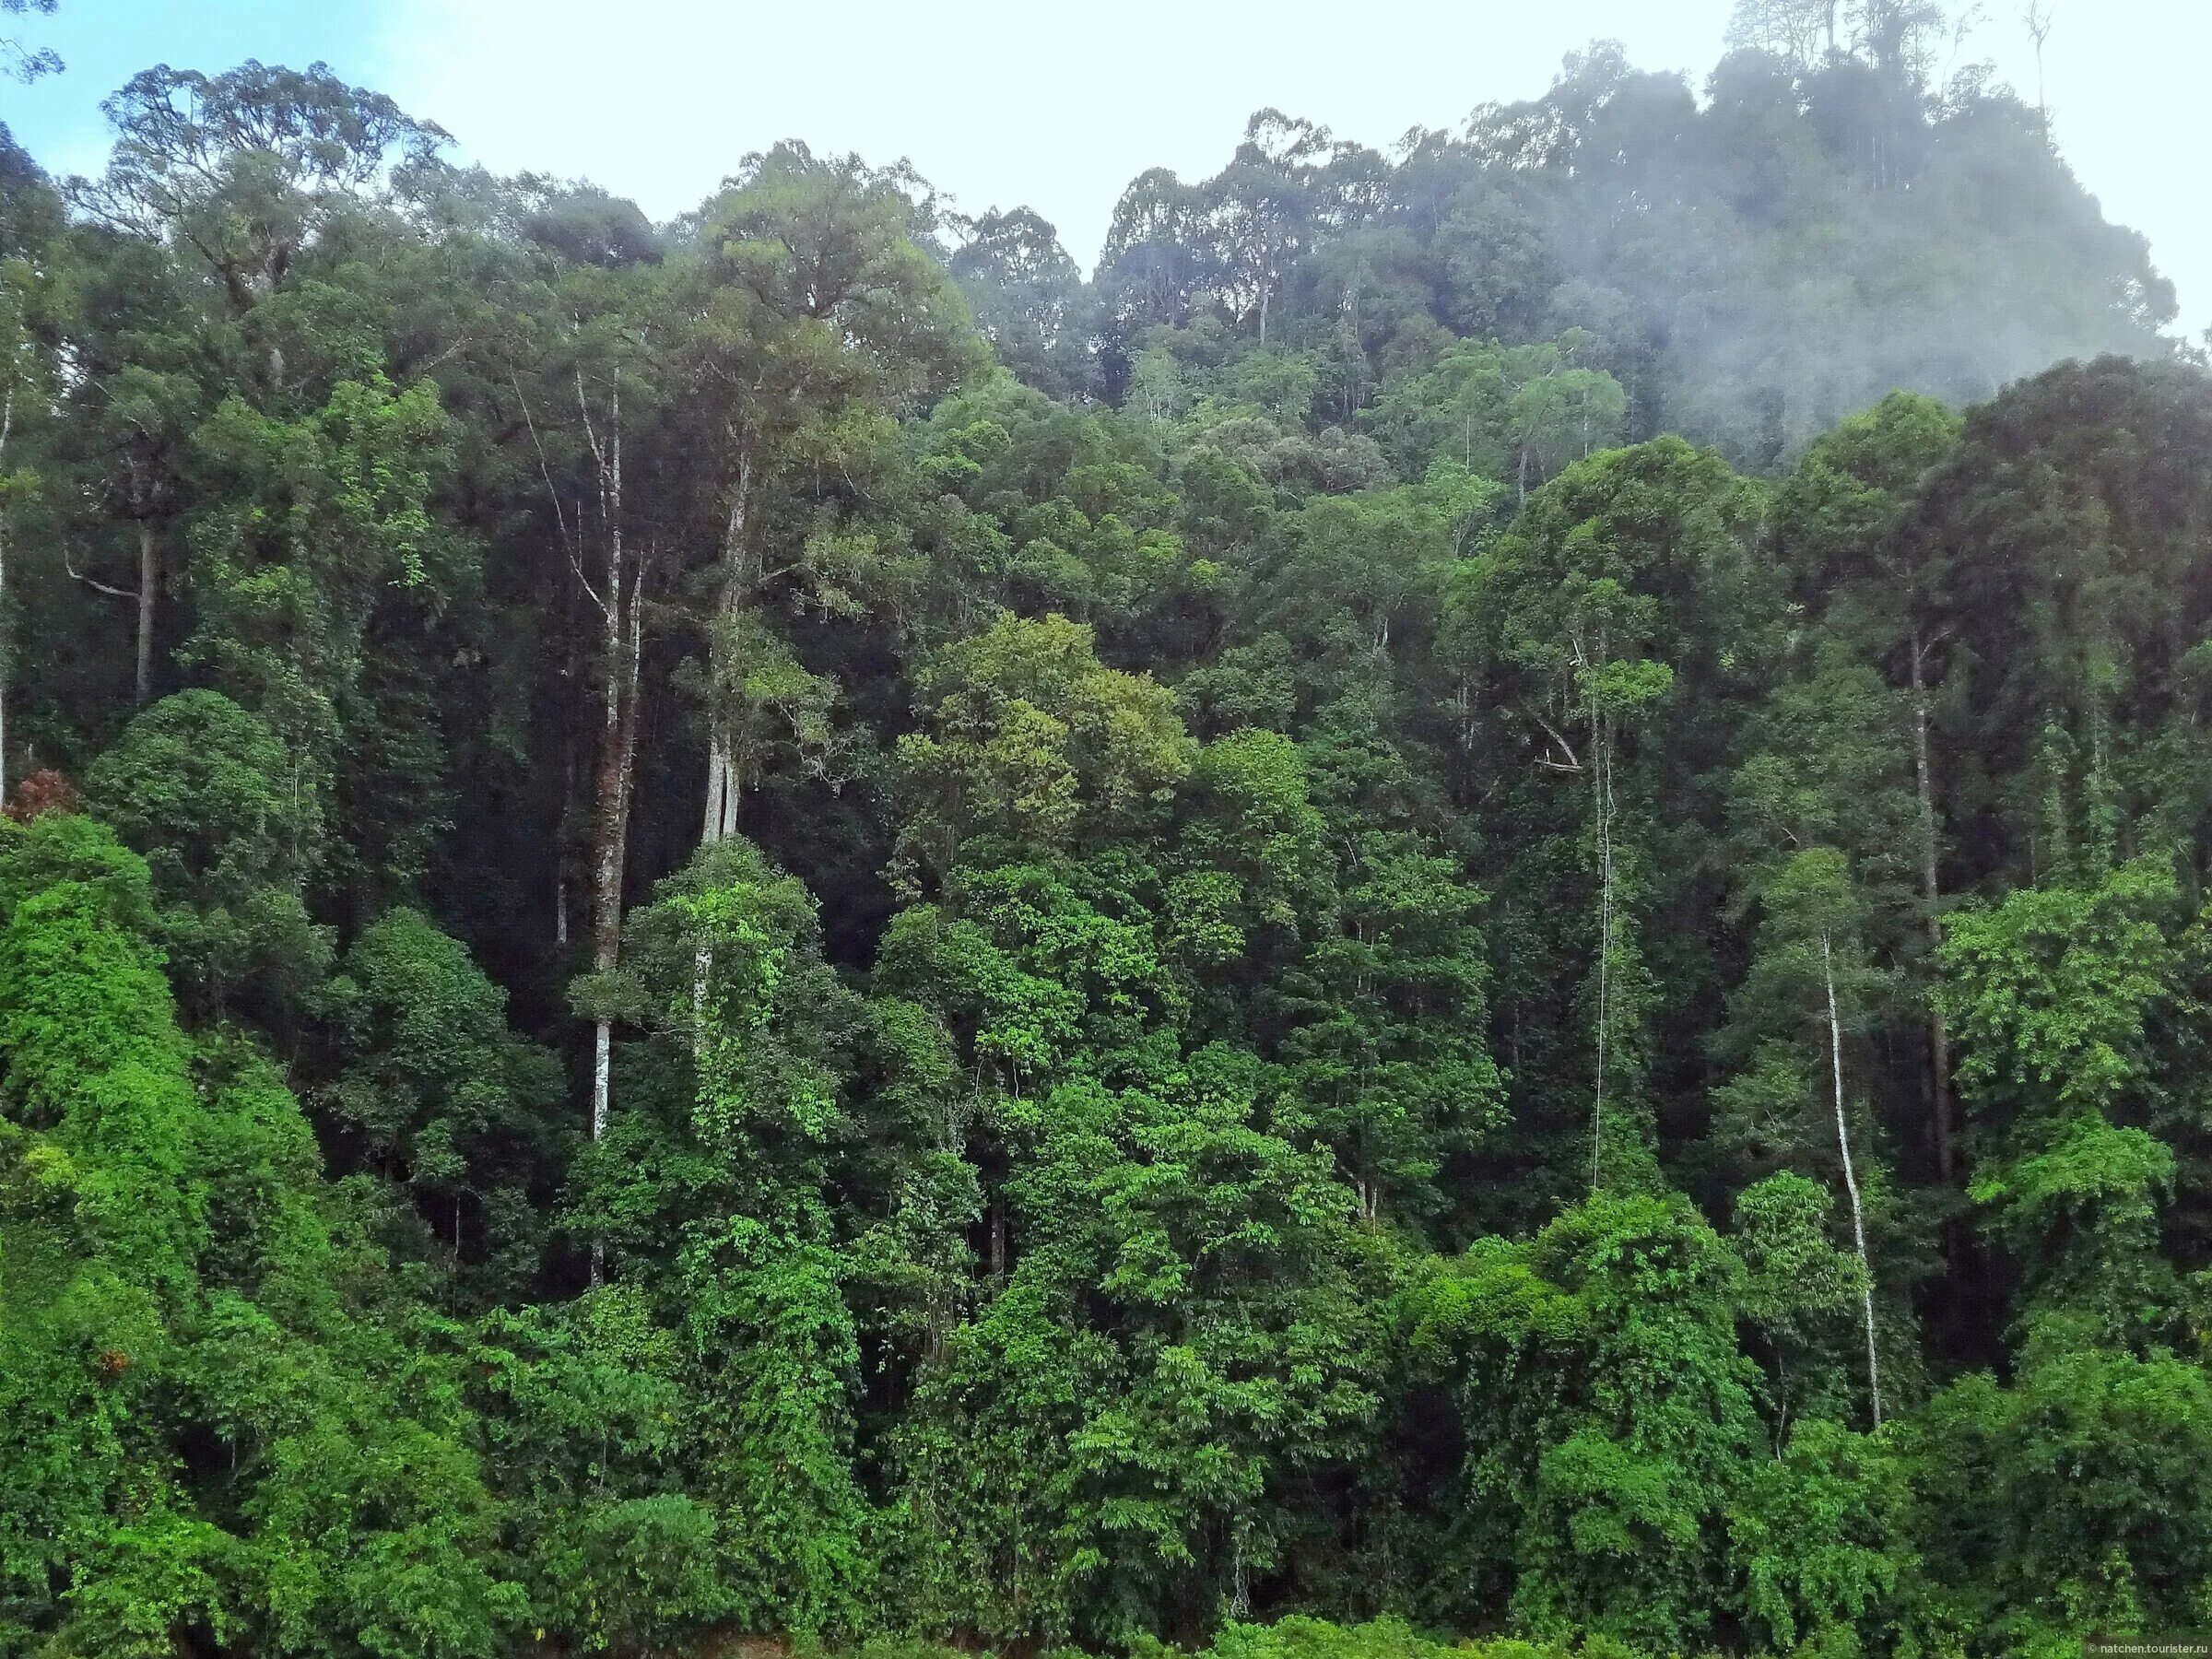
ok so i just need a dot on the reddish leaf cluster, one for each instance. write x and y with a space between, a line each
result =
46 791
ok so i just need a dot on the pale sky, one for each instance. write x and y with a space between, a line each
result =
1059 106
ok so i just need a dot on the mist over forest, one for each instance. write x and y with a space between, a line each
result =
1463 915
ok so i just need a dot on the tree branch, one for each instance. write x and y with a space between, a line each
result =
98 586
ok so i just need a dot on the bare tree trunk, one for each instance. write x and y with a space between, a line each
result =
1851 1182
607 934
618 773
610 825
738 580
622 612
1931 894
1601 779
722 814
147 568
712 827
566 837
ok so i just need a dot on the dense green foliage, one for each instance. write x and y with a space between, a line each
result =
1472 901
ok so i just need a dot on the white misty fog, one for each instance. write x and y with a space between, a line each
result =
1000 103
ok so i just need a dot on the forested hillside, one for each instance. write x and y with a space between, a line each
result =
1474 898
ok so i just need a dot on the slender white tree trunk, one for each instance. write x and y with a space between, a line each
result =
603 1046
603 1052
622 612
723 789
710 827
1851 1182
1601 783
1931 894
147 593
1605 965
738 580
